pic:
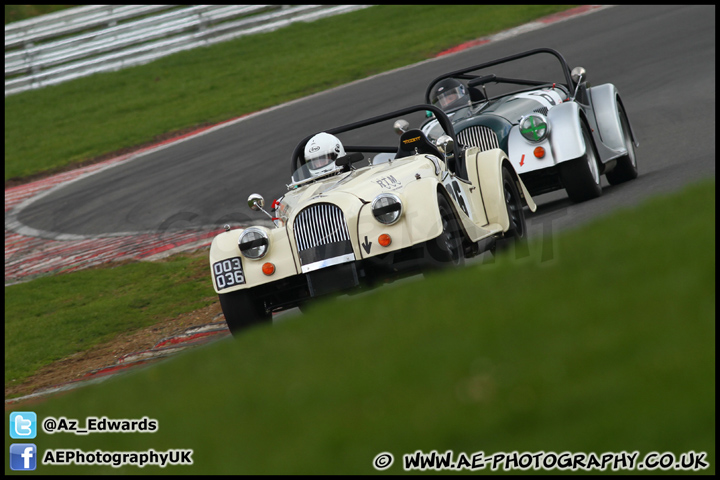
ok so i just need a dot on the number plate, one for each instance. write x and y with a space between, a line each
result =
228 273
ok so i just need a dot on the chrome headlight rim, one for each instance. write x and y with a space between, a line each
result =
263 247
530 133
396 200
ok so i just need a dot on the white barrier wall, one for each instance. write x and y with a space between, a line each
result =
80 41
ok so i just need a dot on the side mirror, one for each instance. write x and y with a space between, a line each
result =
446 145
401 126
349 159
482 80
578 75
256 202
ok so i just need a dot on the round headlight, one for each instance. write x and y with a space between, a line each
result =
253 243
387 208
534 127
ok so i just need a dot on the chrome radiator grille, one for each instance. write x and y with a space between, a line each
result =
482 137
320 224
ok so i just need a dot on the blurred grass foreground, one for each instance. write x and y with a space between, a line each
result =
609 347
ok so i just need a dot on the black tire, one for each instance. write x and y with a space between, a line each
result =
581 177
626 167
241 310
446 249
513 203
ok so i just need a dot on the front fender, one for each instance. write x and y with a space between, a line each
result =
566 132
225 247
605 100
420 220
564 143
489 170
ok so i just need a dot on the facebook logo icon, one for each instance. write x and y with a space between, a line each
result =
23 425
23 456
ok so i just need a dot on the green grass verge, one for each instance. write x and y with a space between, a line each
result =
53 317
66 124
609 347
16 13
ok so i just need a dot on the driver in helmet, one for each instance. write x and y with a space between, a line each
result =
449 94
321 151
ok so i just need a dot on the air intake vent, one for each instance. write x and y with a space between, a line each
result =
482 137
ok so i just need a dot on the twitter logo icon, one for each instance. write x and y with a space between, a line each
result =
23 425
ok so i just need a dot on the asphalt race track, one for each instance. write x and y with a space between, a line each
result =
661 59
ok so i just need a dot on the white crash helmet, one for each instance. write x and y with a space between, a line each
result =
321 151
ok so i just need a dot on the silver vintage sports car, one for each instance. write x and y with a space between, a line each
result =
558 133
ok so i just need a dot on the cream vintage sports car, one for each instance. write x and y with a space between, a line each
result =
380 213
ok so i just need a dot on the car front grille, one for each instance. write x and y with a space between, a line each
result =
478 136
320 224
321 234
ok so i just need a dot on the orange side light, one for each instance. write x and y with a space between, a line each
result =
268 268
539 152
384 240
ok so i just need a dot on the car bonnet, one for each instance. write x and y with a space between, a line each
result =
365 183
